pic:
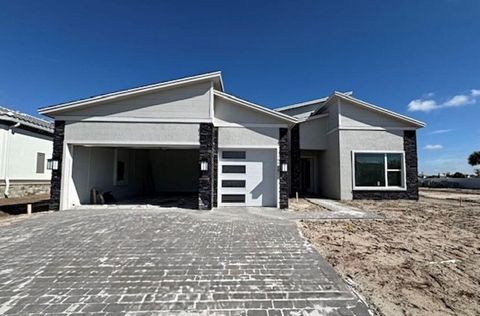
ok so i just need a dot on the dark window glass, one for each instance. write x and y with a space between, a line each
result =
369 170
233 154
120 171
394 161
233 183
395 178
233 169
233 198
40 162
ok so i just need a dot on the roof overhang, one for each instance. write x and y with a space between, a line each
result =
287 118
214 77
338 95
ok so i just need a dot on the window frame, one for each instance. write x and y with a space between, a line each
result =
40 159
387 187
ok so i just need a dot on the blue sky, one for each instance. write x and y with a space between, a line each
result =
422 55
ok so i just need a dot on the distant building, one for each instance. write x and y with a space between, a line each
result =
25 146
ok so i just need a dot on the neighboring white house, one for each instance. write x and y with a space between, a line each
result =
188 136
25 145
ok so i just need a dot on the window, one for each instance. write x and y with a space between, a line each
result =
120 167
379 170
233 169
233 198
234 154
233 183
40 163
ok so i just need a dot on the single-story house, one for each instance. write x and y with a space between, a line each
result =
25 144
188 136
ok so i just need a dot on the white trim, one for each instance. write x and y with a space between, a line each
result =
132 92
227 124
370 128
133 119
386 187
248 147
131 143
256 107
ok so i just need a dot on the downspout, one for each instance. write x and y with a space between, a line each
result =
5 153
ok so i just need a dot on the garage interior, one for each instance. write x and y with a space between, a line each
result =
166 177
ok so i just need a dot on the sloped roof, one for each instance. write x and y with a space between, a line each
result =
216 77
25 119
371 107
306 103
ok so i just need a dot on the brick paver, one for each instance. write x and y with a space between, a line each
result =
166 262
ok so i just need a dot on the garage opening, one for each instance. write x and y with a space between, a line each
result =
166 177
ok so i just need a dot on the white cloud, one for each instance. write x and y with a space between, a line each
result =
433 147
441 131
459 100
422 105
427 105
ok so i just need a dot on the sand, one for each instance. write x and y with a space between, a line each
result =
423 259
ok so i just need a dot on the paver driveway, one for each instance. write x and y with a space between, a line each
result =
169 261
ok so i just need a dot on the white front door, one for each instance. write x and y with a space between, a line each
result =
247 177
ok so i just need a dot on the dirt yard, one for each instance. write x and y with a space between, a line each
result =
423 259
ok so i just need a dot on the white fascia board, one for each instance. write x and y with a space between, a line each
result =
256 107
132 92
373 107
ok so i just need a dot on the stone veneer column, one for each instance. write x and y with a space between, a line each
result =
411 163
295 160
215 167
205 182
284 155
58 137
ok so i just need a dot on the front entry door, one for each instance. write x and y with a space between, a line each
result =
306 165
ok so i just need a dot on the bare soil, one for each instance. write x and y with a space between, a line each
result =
423 259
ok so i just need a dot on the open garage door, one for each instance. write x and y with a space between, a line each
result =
157 176
247 177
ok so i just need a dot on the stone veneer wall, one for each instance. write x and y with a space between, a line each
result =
284 155
25 188
295 160
206 153
58 137
411 165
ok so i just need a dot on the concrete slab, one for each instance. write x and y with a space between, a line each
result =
236 261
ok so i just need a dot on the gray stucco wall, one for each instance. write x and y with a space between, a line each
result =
230 112
363 140
313 134
244 137
191 101
133 133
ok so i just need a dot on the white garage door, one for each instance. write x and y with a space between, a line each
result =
247 177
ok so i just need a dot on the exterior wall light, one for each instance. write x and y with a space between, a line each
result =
52 164
204 165
284 167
